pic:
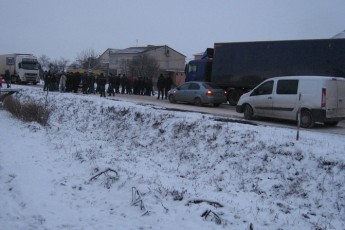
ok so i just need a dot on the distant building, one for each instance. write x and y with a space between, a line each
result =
170 61
198 56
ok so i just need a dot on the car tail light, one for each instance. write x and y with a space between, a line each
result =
209 92
323 100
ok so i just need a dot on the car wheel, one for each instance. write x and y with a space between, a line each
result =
172 99
307 120
248 112
216 104
197 101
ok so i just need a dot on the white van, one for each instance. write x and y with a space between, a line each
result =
321 99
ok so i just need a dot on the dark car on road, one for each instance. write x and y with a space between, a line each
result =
198 93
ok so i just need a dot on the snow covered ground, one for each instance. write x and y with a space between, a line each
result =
96 157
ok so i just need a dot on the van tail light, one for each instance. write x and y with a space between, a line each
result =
209 92
323 100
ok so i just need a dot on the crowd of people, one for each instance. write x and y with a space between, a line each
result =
111 84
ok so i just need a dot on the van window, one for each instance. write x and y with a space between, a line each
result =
287 87
264 89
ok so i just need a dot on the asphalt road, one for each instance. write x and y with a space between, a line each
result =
224 112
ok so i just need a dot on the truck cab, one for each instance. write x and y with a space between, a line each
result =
27 69
199 70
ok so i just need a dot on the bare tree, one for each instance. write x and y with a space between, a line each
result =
62 63
88 59
144 66
44 60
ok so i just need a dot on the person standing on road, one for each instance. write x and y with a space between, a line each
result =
101 82
160 86
123 83
91 81
111 86
168 84
62 82
8 78
117 83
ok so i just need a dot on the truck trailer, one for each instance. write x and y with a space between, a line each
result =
24 68
238 67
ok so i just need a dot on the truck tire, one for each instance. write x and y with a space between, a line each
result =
248 112
233 97
307 120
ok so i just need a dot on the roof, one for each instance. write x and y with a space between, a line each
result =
138 50
135 50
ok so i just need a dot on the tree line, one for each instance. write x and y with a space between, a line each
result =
140 66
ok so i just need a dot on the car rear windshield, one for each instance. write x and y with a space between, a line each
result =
210 86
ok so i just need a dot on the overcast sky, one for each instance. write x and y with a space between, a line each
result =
64 28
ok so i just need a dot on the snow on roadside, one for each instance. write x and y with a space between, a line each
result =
183 164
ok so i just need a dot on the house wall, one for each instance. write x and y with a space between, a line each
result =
168 58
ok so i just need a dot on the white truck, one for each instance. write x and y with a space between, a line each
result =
24 68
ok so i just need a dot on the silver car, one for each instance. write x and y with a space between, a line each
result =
198 93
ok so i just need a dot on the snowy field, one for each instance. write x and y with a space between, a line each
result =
109 164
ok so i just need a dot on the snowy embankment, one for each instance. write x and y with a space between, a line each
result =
192 172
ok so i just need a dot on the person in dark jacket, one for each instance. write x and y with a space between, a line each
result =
101 82
46 80
111 86
7 78
168 84
160 86
123 83
117 83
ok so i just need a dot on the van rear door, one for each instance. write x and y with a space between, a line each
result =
335 98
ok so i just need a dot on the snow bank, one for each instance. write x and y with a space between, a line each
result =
183 165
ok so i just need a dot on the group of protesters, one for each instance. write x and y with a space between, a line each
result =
111 84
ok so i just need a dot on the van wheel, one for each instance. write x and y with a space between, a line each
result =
197 101
248 112
307 120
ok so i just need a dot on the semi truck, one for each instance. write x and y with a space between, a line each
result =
239 66
23 68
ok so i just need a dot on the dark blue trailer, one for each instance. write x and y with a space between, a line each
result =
239 67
